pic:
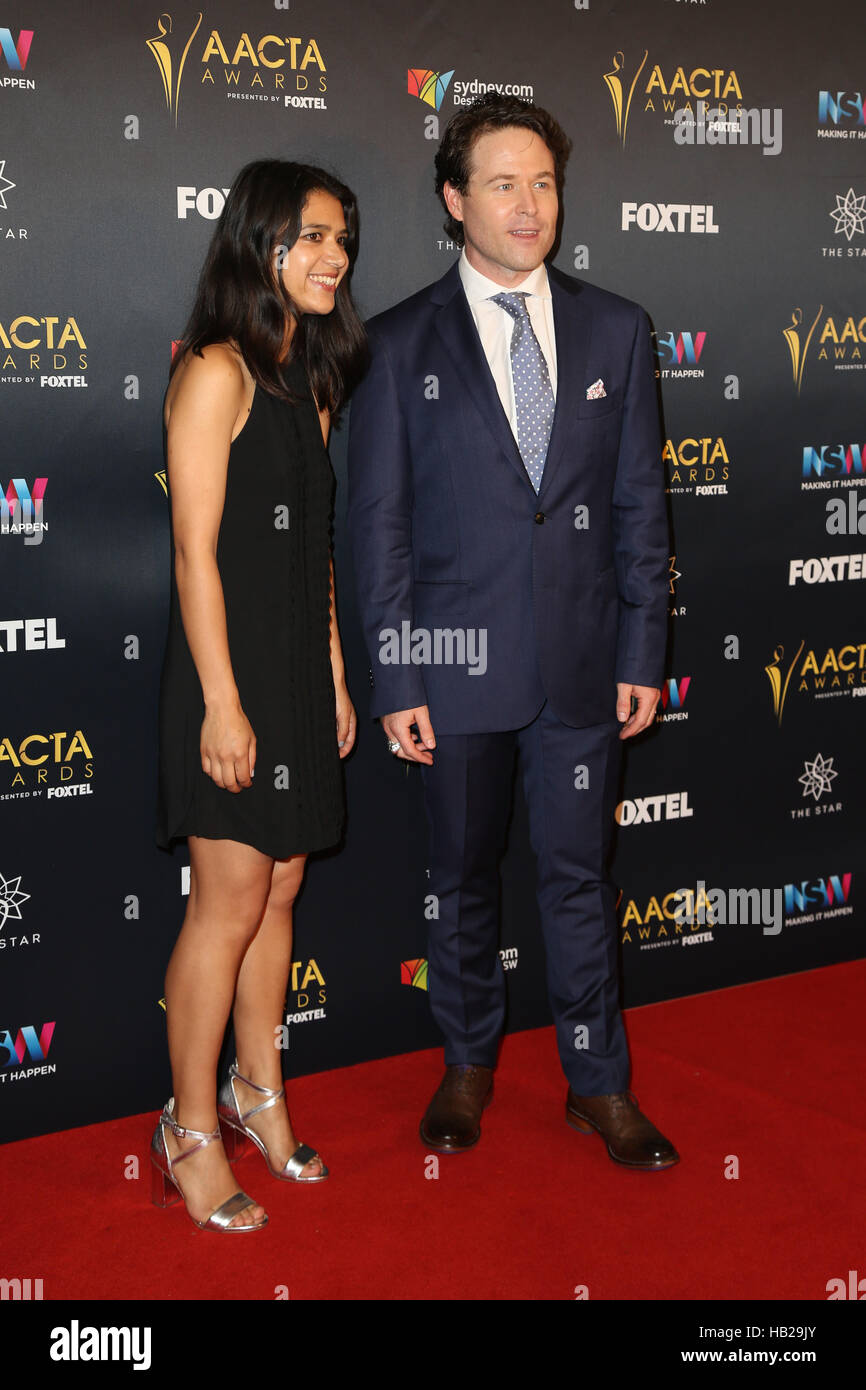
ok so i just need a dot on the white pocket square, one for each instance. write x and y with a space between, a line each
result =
596 391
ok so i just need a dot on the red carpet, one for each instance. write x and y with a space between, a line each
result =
766 1072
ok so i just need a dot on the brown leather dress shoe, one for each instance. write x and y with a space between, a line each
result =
453 1118
630 1137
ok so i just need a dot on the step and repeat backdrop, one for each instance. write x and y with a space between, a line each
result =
718 177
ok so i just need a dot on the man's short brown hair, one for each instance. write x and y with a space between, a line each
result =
492 112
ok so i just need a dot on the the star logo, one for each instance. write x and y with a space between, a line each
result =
6 184
849 213
818 777
673 573
11 899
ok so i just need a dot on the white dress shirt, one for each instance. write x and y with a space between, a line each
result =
495 325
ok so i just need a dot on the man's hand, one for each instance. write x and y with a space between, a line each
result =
647 698
397 727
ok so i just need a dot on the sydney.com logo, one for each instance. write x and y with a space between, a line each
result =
430 87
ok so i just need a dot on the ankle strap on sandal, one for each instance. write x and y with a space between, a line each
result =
181 1132
272 1096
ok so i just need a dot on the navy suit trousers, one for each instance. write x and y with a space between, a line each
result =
570 779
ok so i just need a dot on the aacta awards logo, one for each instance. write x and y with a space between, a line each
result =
50 350
839 341
831 674
656 89
287 70
56 766
667 919
170 54
697 466
307 993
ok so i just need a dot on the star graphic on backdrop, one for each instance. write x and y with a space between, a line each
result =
818 777
673 572
5 185
849 213
11 899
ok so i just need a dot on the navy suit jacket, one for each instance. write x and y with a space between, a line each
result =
570 586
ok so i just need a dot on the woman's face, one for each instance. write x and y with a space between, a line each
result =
312 269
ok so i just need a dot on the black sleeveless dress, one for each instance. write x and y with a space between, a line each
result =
273 556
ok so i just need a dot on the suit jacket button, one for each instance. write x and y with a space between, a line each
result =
539 518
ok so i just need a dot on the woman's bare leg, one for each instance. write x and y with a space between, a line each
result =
258 1012
229 888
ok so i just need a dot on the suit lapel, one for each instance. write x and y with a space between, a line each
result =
572 326
456 327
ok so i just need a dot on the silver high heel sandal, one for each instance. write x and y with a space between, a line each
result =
235 1131
165 1188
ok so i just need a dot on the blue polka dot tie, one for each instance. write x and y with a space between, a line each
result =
533 393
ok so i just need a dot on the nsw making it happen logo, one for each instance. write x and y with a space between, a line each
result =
841 115
26 1043
22 510
672 699
679 354
15 57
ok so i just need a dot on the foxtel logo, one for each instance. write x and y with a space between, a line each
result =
646 809
828 569
669 217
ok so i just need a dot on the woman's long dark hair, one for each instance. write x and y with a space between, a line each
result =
241 298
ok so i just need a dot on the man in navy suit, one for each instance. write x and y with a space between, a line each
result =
506 505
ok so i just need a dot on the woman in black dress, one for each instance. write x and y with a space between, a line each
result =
254 711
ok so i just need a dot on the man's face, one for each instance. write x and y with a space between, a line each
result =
510 206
